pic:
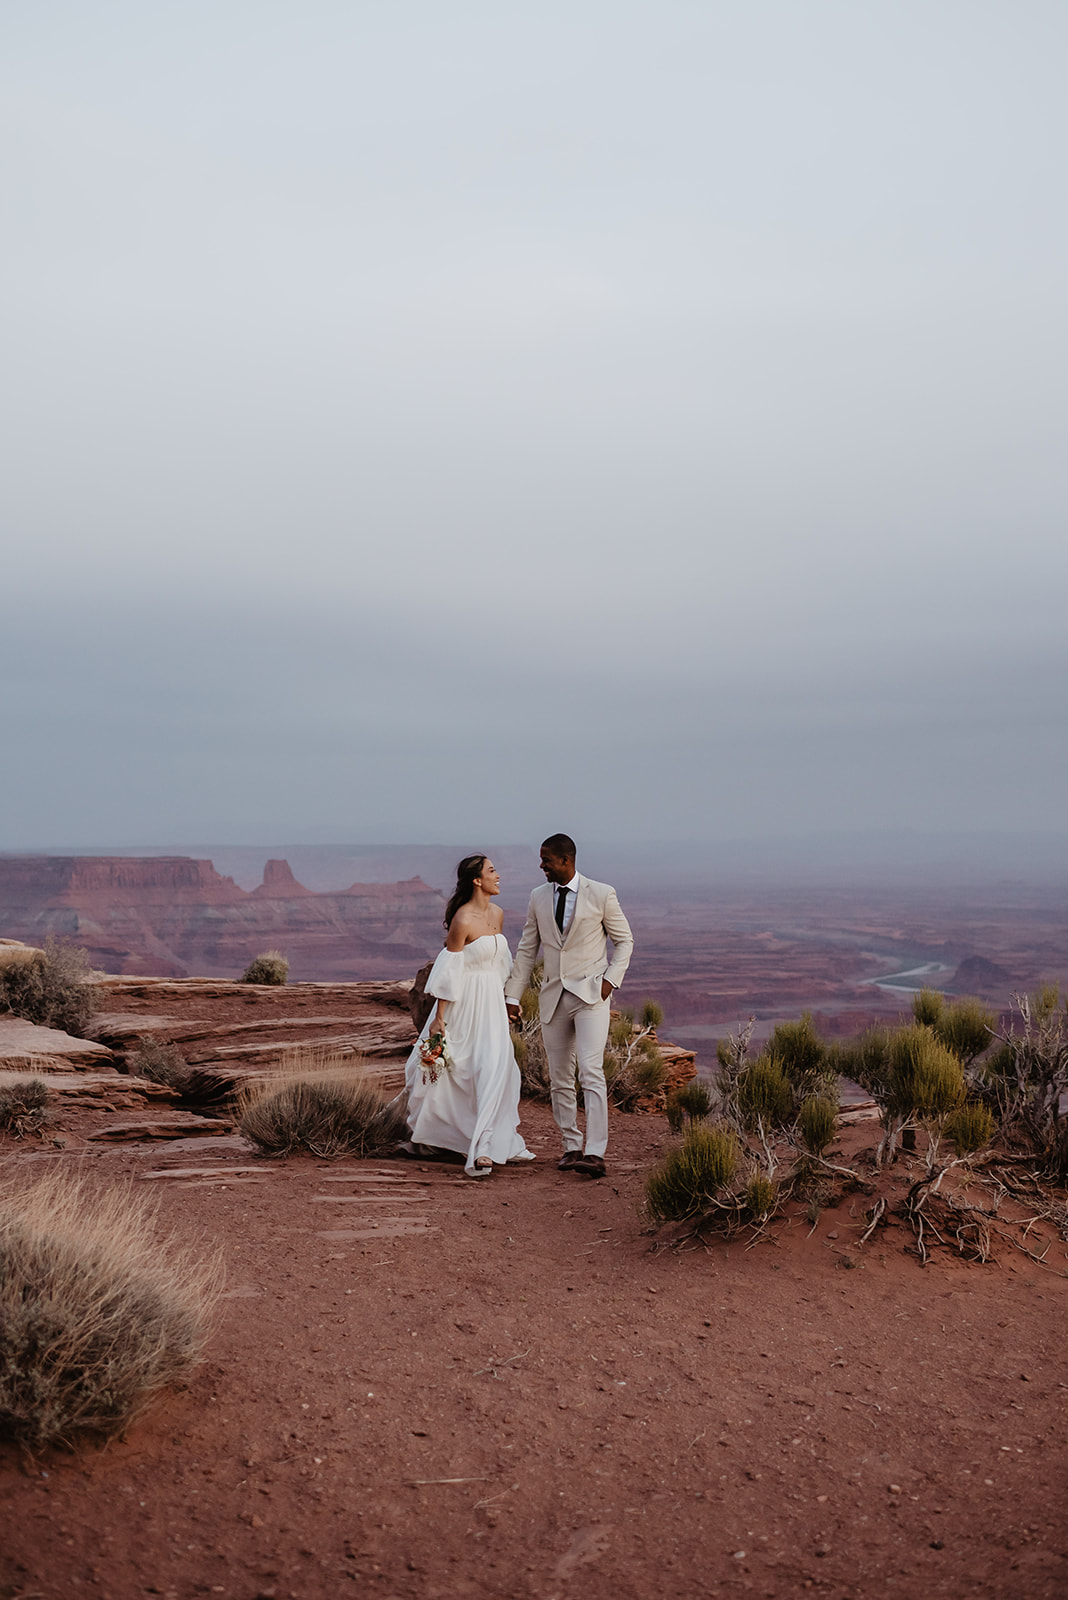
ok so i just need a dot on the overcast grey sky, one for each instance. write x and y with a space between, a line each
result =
428 418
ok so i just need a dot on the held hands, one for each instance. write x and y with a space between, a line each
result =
513 1010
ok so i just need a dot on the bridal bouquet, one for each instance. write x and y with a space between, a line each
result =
434 1054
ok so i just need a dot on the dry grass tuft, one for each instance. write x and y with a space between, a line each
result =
97 1313
328 1105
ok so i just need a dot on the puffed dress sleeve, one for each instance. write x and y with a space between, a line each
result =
446 978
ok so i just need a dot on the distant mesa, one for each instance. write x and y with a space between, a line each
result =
279 883
976 975
174 916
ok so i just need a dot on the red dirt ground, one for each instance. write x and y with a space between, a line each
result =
612 1418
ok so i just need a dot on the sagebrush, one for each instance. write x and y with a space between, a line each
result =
161 1063
24 1102
98 1312
271 967
55 989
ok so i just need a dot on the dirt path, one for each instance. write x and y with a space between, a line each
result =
615 1422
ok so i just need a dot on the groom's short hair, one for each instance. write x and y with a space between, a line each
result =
561 845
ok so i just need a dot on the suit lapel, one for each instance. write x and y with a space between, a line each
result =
549 930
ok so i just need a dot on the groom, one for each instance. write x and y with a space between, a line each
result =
571 919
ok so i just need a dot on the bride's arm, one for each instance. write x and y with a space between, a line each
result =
454 943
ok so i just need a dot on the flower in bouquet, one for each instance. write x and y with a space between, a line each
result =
434 1055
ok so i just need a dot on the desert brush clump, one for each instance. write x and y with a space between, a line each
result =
527 1042
971 1127
634 1069
1026 1077
24 1102
691 1102
927 1006
817 1123
54 989
692 1174
804 1059
98 1313
160 1063
964 1026
934 1079
763 1096
759 1198
271 967
327 1105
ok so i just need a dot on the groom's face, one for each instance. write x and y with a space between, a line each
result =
558 869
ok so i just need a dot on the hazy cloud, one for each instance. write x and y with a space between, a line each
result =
422 420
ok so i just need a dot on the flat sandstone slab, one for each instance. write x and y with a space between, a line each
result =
24 1043
176 1126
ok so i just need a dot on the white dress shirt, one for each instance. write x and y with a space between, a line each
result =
569 903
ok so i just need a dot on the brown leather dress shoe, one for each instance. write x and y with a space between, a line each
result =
569 1159
590 1166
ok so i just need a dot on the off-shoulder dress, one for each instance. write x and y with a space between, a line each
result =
474 1106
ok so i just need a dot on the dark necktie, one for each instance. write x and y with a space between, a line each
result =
561 902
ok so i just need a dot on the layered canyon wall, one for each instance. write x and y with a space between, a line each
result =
173 916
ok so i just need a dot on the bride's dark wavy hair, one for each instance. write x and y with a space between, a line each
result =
467 871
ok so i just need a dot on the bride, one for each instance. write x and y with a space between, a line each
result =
464 1094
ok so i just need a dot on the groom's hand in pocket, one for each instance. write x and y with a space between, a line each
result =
606 989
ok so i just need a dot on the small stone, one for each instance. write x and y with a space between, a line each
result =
739 1555
256 1522
832 1236
895 1488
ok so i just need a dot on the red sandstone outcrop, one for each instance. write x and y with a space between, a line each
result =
172 915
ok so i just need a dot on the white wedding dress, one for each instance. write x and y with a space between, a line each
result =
473 1107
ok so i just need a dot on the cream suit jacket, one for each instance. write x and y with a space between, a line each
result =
576 960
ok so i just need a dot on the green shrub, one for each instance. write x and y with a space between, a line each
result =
328 1108
639 1076
759 1198
690 1102
621 1029
801 1053
925 1079
764 1094
971 1127
23 1104
927 1007
690 1176
271 967
529 1002
866 1060
651 1015
817 1120
97 1314
967 1028
54 990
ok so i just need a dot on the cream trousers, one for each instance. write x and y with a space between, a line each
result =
579 1032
